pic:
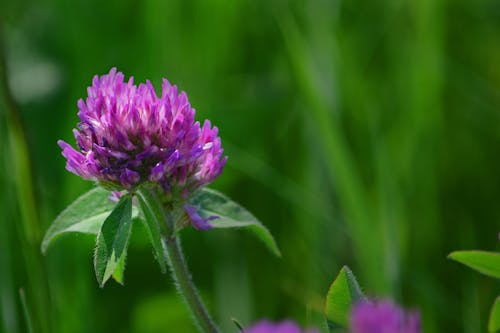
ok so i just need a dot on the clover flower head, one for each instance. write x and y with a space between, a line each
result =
283 327
382 317
128 135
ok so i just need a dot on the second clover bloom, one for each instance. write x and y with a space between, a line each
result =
128 135
382 317
283 327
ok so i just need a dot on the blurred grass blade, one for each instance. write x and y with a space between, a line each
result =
26 311
21 175
342 169
112 240
85 215
485 262
342 294
238 324
209 202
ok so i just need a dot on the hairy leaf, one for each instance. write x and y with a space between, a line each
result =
112 241
150 212
120 269
485 262
230 214
343 293
494 321
85 215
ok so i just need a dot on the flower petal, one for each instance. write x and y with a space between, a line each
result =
198 222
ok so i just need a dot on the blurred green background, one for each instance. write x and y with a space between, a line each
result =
364 133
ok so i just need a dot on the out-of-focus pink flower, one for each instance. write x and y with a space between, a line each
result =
382 317
283 327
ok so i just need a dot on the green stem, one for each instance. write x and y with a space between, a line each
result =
185 285
176 261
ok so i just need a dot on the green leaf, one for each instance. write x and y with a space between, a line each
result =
487 263
209 202
494 321
120 269
343 293
148 207
85 215
112 240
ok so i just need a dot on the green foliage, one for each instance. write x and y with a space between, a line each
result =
342 294
119 270
485 262
112 241
85 215
412 90
26 311
209 202
494 321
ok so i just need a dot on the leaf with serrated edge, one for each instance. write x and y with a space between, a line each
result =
112 240
209 202
494 321
85 215
153 227
485 262
342 294
120 269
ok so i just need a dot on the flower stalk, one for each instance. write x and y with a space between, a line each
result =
165 218
185 285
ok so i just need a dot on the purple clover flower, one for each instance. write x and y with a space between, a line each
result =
128 136
283 327
382 317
